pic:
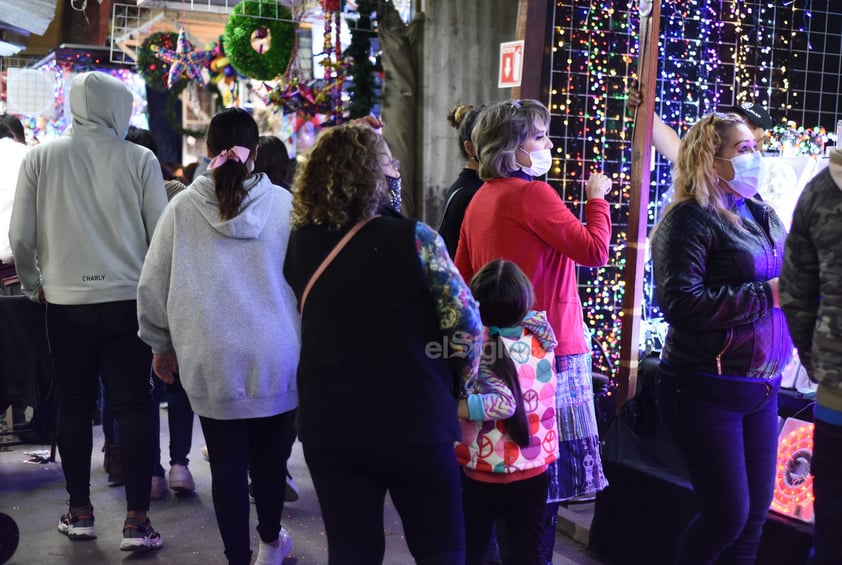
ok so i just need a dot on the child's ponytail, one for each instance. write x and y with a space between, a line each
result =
516 425
505 295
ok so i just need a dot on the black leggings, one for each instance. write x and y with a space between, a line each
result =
235 448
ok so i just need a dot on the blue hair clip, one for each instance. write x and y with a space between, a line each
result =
515 102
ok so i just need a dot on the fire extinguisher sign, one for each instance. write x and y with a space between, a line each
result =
511 64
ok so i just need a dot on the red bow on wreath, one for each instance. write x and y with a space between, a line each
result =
330 5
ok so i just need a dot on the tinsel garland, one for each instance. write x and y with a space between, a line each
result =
363 85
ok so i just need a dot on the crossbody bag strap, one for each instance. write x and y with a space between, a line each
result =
329 259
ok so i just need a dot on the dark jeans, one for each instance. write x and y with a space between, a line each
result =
521 505
826 467
424 484
727 432
94 341
236 446
180 420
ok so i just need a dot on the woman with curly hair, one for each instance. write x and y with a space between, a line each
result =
717 255
390 332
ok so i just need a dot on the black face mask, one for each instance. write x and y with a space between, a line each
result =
394 193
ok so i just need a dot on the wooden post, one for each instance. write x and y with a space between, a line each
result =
535 26
647 72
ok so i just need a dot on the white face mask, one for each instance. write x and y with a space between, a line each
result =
542 160
748 173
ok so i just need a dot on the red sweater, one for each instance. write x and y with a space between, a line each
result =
528 224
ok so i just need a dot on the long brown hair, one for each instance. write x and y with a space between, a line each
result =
505 295
230 127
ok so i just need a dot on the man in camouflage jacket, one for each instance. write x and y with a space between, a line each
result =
811 298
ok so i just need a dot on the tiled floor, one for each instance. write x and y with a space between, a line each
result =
34 496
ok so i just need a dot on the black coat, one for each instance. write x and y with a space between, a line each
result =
710 276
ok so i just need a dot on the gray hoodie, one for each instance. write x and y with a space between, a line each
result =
86 204
214 292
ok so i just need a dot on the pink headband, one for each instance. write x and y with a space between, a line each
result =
237 153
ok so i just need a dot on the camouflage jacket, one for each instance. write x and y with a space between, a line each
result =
811 277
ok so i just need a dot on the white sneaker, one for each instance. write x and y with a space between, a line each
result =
181 479
159 488
269 555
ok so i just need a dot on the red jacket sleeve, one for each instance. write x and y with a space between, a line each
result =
552 221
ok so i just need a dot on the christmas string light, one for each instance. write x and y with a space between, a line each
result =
713 54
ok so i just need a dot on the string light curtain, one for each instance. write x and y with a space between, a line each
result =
713 54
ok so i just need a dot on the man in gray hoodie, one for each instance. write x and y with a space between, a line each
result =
86 205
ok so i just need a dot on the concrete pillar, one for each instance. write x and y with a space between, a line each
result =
461 46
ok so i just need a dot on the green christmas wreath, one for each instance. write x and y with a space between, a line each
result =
171 114
153 70
259 16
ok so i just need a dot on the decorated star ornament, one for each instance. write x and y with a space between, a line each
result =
185 61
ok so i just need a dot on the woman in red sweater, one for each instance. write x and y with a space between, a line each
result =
522 220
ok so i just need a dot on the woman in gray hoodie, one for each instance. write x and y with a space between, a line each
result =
215 308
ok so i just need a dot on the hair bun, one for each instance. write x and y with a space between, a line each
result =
457 114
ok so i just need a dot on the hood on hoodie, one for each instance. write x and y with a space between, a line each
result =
100 102
255 210
536 322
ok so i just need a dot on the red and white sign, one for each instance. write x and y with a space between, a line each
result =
511 64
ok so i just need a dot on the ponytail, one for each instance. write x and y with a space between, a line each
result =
516 425
228 181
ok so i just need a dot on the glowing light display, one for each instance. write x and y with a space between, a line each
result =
713 54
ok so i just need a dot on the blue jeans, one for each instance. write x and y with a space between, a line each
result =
826 467
180 420
727 431
89 342
424 483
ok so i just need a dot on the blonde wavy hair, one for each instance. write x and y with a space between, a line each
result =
695 176
342 180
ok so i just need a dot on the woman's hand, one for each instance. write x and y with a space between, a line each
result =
371 121
598 186
634 98
165 366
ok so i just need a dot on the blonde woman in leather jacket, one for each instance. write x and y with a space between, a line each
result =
717 254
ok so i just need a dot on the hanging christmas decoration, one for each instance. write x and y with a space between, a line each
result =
252 25
364 82
335 67
224 75
153 70
309 97
185 61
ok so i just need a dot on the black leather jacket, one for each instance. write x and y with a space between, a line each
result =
710 277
